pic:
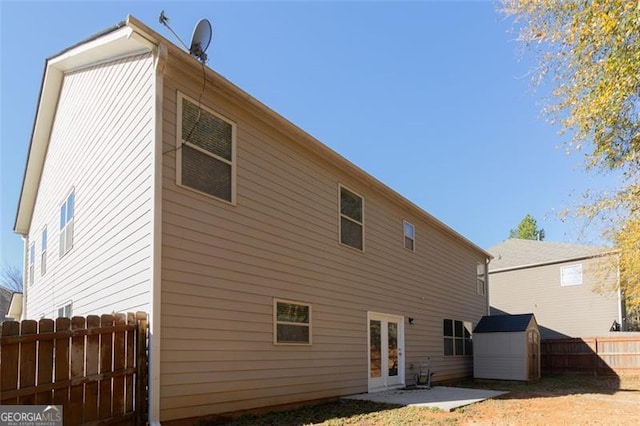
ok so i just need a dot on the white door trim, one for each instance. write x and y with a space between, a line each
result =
385 382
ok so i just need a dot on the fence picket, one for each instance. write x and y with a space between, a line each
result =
119 361
76 399
28 361
61 366
45 362
106 364
92 363
9 356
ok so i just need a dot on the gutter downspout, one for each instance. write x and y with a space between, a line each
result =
25 262
622 311
486 285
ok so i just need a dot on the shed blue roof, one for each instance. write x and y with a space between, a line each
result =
503 323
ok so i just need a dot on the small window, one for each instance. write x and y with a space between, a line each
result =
206 150
65 311
32 261
292 322
66 224
409 236
571 275
351 219
43 257
457 337
481 283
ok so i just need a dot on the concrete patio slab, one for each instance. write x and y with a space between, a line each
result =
442 397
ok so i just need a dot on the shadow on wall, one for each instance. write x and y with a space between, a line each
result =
545 332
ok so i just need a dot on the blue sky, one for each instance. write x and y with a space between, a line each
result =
432 98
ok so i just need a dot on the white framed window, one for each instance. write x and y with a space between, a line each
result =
409 235
457 337
291 322
43 256
32 262
205 150
66 224
482 279
351 219
65 311
571 275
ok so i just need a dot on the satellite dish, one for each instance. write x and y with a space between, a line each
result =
200 39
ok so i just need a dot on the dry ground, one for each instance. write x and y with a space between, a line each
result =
561 400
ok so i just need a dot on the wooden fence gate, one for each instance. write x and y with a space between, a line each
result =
95 367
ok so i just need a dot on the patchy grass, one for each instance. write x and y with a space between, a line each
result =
570 399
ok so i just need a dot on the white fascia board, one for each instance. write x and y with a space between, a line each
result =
121 42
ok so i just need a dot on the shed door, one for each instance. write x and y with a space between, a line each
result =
533 354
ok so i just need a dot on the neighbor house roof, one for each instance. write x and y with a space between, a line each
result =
516 253
134 37
504 323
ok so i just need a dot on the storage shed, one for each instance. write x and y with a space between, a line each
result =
507 347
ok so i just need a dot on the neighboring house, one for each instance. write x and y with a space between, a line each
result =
5 302
274 270
571 289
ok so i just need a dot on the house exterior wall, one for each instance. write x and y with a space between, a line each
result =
500 356
561 311
223 264
100 148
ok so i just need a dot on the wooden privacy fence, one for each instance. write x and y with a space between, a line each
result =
95 367
618 355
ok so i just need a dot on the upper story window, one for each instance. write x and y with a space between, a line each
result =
43 257
351 219
482 279
32 261
409 236
571 275
66 224
206 150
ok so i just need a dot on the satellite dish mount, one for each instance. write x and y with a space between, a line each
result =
200 39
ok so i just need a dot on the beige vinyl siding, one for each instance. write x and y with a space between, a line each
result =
222 265
100 148
561 311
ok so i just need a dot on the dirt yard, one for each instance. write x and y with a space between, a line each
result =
561 400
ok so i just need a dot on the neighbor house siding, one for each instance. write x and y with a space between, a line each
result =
561 311
100 148
223 264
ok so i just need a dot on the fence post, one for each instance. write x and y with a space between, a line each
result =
142 369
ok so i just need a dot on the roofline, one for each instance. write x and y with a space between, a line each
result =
553 262
265 112
296 133
115 41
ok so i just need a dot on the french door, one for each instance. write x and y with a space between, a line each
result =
386 351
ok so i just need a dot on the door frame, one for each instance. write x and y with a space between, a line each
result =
386 318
